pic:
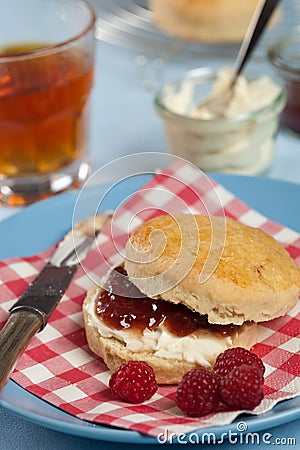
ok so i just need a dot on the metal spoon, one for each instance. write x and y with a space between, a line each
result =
259 20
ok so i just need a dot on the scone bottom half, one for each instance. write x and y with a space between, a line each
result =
175 341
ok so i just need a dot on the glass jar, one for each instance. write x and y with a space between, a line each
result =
285 56
242 145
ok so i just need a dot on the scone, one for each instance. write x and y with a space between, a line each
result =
208 21
191 287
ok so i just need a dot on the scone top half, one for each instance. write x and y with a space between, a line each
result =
215 266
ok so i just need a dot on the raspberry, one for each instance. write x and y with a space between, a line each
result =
198 392
241 388
133 382
234 357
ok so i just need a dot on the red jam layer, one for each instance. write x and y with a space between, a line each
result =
137 312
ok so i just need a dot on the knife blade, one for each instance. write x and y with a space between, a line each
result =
30 313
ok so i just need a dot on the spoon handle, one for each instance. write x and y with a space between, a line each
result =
256 27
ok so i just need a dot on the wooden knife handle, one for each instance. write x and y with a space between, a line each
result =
14 337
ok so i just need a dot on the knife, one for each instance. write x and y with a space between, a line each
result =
31 312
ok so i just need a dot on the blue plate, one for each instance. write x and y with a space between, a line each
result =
42 224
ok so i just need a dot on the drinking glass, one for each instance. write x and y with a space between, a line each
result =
46 78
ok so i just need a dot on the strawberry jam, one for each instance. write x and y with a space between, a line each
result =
137 312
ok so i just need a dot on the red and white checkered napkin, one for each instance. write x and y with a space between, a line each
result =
58 366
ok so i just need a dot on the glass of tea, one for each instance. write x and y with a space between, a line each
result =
46 78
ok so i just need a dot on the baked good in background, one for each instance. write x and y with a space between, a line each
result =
244 279
211 21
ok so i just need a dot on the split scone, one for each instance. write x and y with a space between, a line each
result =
191 286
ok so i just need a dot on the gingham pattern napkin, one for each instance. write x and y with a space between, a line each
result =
58 366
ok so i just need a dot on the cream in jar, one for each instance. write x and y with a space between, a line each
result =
241 141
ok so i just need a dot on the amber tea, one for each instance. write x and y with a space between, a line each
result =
46 77
43 109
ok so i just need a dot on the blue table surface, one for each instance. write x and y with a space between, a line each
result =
124 122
